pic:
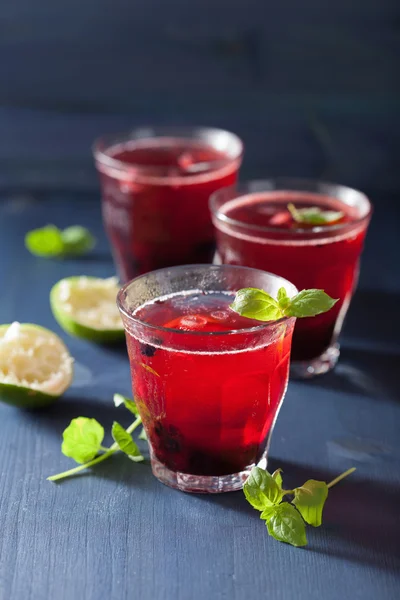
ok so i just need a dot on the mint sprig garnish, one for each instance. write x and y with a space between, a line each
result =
286 521
51 242
314 215
82 440
257 304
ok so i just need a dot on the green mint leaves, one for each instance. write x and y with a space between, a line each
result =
77 240
82 440
309 303
285 524
52 242
125 442
262 490
314 215
309 499
127 402
257 304
286 521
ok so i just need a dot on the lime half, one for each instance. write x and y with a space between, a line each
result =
86 307
35 365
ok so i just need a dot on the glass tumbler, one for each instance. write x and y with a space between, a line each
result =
208 400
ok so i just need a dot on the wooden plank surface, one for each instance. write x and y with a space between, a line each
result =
117 533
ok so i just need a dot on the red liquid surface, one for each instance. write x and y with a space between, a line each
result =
156 209
208 412
327 260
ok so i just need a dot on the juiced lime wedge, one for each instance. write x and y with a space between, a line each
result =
35 366
86 307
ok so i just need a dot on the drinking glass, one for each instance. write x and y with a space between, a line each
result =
254 228
155 183
208 399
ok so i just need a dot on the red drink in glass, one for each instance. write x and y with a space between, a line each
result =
155 188
255 228
208 382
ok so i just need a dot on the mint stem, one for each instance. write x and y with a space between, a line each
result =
109 452
340 477
329 485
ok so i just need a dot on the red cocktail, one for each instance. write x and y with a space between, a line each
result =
155 187
208 382
255 228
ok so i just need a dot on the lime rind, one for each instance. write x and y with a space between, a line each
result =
85 307
24 397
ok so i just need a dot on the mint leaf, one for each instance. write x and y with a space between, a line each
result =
125 442
51 242
256 304
261 489
82 439
127 402
286 525
283 298
278 477
309 303
46 241
77 240
268 512
142 435
309 500
314 215
286 522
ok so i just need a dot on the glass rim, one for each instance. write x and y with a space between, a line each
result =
263 325
316 229
104 142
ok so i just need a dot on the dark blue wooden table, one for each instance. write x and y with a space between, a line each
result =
117 533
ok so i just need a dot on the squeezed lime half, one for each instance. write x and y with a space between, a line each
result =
86 308
35 365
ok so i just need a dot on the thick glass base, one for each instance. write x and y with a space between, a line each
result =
202 484
317 366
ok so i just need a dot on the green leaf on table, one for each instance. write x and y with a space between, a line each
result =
256 304
309 500
51 242
82 439
125 442
46 241
127 402
261 489
268 512
77 240
285 524
309 303
314 215
278 477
